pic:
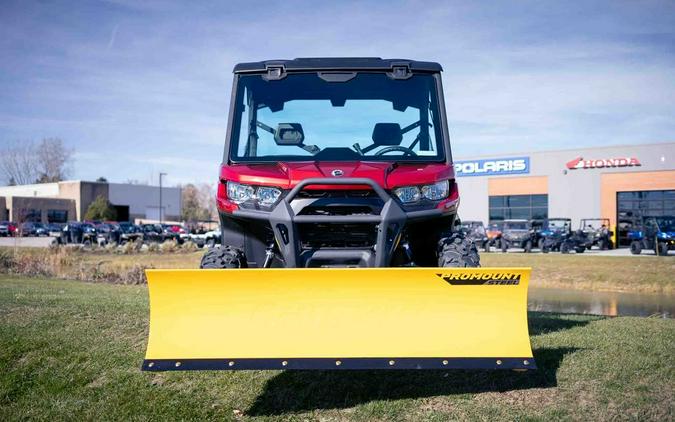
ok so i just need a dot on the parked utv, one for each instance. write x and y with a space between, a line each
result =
517 234
559 236
130 233
494 235
338 162
655 233
108 233
475 231
153 233
598 232
89 234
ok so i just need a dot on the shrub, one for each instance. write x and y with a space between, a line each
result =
7 260
135 275
169 246
189 246
100 209
132 247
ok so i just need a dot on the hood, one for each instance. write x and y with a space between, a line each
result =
286 175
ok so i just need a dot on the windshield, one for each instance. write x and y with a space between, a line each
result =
558 224
515 225
304 117
593 224
473 227
666 224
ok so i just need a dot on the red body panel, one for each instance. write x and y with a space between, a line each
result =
286 175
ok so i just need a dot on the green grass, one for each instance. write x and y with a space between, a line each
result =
72 350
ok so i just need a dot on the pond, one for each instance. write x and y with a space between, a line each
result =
600 303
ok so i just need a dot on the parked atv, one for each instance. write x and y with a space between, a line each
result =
475 231
517 234
559 236
656 233
598 232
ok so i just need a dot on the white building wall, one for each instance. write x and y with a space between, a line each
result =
141 198
38 190
573 194
473 202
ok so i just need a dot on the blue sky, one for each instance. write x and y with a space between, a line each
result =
138 87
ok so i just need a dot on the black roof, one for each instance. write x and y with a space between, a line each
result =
338 63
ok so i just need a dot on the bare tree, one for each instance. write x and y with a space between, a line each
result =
25 162
54 160
207 198
193 210
18 163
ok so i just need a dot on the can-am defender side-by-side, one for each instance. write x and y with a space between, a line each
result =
338 169
655 233
335 172
598 232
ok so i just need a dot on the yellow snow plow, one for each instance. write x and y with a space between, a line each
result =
339 318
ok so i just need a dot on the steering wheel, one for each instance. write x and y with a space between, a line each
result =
404 150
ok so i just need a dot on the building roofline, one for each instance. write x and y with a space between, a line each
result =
552 151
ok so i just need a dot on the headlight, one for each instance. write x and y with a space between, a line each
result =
267 196
433 192
436 192
408 194
264 195
238 193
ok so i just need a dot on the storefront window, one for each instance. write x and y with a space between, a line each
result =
57 216
30 215
632 206
527 207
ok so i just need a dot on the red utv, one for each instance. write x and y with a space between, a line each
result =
338 162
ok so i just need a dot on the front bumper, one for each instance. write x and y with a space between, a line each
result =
286 217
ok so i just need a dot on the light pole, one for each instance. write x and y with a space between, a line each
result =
160 196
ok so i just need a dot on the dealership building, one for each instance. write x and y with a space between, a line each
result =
69 200
620 183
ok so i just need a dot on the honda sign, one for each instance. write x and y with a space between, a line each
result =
580 163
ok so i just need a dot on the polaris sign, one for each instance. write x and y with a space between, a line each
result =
493 167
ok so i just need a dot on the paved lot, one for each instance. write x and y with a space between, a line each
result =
593 252
30 242
43 242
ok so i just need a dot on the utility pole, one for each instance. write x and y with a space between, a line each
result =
160 196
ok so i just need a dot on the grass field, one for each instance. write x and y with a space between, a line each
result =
647 274
629 274
72 350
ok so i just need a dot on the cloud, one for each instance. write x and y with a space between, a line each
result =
147 84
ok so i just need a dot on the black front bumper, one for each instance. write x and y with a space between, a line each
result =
286 220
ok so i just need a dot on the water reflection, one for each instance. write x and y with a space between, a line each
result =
600 303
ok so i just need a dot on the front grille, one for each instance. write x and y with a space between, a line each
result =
335 193
337 210
359 235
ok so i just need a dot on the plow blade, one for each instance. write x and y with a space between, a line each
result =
329 318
